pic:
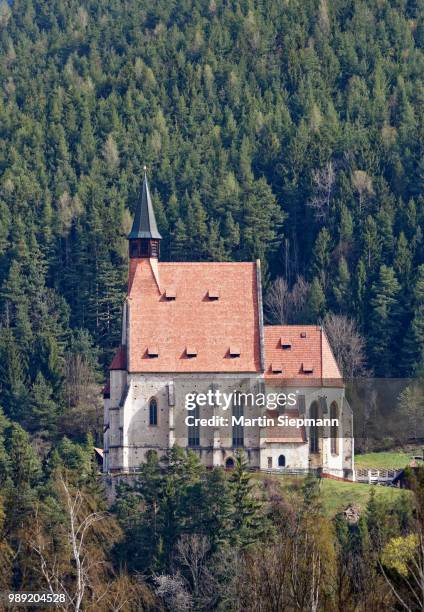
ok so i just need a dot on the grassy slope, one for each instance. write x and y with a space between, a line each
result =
337 495
385 460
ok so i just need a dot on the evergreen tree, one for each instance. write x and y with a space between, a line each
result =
384 322
43 409
316 301
248 521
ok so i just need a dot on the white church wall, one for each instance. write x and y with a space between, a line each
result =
130 435
138 436
296 455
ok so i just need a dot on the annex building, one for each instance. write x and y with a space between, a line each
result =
191 327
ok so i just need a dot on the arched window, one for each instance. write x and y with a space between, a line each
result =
281 461
334 415
194 429
229 464
238 429
153 412
314 430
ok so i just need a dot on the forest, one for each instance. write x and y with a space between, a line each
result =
288 131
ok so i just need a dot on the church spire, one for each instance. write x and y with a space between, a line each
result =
144 236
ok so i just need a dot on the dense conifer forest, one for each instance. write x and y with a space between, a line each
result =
290 131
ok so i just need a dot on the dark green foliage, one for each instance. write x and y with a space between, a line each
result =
174 497
385 321
248 519
293 134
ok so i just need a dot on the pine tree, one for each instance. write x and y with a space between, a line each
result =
248 521
316 302
384 322
13 381
43 409
341 287
403 260
413 345
25 466
321 256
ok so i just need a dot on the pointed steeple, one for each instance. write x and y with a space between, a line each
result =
144 224
144 236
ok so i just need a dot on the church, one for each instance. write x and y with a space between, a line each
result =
195 330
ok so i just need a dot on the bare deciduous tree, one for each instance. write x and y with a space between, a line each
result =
84 409
173 591
276 301
284 305
79 525
323 181
192 551
362 183
347 345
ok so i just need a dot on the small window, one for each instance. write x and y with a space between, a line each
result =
191 352
153 351
307 368
144 248
229 464
170 294
285 344
281 461
213 294
276 368
234 351
153 412
134 248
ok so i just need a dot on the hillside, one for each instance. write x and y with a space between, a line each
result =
286 130
291 132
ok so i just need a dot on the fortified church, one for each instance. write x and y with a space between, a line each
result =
191 327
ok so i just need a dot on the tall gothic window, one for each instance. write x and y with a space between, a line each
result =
334 414
238 430
313 430
194 430
153 412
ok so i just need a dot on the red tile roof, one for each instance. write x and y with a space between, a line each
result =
309 349
119 361
192 319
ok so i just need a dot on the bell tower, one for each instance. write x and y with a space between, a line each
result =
144 238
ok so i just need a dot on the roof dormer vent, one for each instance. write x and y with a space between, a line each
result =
170 293
153 351
191 352
234 351
213 294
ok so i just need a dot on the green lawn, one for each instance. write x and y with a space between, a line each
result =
385 460
336 494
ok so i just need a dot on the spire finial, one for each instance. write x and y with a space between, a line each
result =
144 225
